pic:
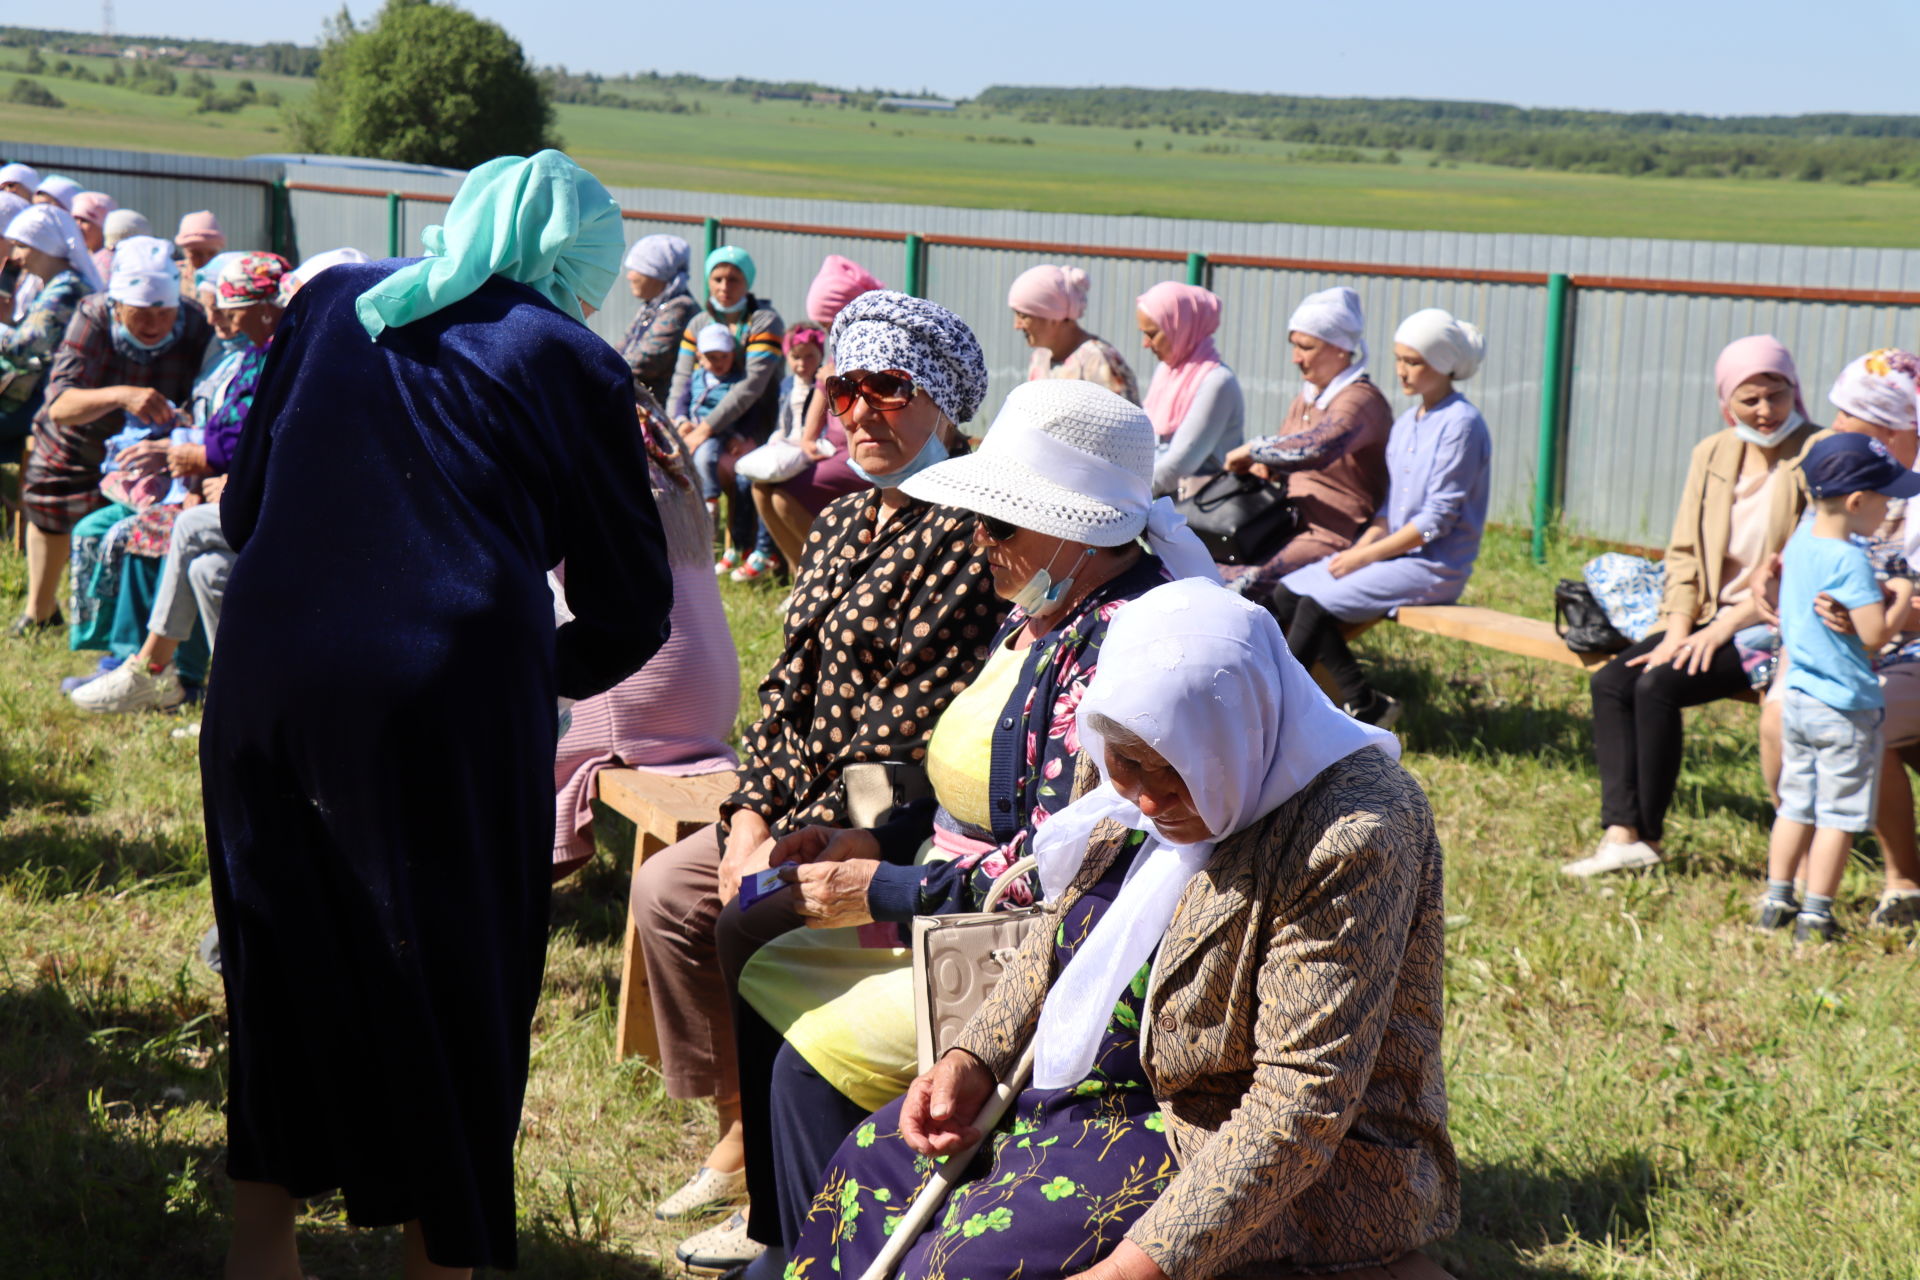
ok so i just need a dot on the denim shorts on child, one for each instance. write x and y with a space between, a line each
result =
1829 763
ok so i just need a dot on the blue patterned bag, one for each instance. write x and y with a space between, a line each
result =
1629 589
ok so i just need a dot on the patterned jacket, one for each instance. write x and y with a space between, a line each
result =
1291 1034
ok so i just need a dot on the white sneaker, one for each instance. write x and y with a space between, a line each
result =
706 1192
130 687
187 731
1613 856
720 1249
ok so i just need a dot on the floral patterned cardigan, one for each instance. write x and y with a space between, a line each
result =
1033 772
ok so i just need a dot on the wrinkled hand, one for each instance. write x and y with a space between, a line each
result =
148 405
187 459
1837 616
1345 562
937 1117
1128 1261
144 449
212 487
815 843
749 843
1240 459
832 895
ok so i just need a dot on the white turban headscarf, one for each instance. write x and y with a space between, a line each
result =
1205 678
24 174
660 257
52 230
1880 387
1454 347
1333 315
144 274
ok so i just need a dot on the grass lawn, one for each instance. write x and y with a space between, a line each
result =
1640 1086
975 158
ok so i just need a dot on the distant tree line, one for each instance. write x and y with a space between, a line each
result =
1830 147
278 58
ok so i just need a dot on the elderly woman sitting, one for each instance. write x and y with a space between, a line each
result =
132 351
1060 496
892 614
656 268
195 557
1240 1002
46 244
1421 544
1047 303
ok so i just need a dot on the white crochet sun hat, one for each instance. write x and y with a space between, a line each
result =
1065 458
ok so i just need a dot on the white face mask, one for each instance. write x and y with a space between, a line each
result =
1042 594
1768 439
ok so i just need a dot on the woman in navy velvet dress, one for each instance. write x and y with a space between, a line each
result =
428 438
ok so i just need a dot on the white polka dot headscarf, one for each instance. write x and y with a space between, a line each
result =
888 330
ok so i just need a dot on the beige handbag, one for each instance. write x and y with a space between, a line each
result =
959 959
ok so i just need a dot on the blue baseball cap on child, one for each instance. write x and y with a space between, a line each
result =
1848 462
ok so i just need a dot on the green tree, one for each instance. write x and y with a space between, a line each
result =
427 83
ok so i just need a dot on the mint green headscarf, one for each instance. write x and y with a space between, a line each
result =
543 221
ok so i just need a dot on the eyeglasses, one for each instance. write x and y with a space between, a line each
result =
994 530
883 391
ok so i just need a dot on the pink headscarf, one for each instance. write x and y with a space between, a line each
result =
201 228
1188 316
1748 358
1050 293
840 281
93 206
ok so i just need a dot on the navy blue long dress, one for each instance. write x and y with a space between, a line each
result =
377 750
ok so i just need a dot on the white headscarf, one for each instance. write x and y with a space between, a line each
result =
10 205
52 230
24 174
1880 387
1454 347
60 188
660 258
313 266
1204 677
144 274
1333 315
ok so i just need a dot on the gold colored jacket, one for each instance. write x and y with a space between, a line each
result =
1291 1034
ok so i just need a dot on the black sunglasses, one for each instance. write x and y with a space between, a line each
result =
883 391
994 529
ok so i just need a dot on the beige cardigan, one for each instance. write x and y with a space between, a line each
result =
1703 523
1291 1034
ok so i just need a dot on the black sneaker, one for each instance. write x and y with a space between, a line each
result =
25 626
1774 914
1379 710
1812 928
1895 911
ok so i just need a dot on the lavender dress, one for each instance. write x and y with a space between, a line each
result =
1438 473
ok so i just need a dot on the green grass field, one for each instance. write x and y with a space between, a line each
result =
1640 1086
782 148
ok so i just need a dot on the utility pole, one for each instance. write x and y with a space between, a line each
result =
106 18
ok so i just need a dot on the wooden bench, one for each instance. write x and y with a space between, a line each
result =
664 810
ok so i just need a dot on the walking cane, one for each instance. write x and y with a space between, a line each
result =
947 1173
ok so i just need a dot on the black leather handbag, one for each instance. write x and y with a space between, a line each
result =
1240 518
1582 623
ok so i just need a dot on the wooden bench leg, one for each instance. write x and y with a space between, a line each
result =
634 1034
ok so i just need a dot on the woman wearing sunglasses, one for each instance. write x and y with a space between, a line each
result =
1059 497
891 615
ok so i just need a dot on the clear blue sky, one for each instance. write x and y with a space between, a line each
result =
1779 56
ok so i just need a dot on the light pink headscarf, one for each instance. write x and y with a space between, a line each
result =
1049 292
1748 358
840 281
93 206
200 228
1188 316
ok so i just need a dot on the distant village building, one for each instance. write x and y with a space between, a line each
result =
916 104
828 97
138 52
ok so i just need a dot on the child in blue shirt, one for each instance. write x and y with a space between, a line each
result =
1830 722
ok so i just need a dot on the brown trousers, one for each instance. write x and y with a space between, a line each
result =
676 900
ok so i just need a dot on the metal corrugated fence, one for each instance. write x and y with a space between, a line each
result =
1637 381
240 193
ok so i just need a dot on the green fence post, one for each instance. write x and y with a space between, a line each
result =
713 237
916 265
393 224
1197 269
1553 371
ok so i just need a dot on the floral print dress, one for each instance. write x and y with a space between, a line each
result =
1068 1172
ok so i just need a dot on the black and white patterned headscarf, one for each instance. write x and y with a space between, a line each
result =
887 330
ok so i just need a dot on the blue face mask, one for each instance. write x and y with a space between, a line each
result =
931 452
123 334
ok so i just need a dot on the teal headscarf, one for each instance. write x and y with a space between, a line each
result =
739 257
543 221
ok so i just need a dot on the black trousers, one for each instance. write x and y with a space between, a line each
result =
1315 635
1636 730
791 1120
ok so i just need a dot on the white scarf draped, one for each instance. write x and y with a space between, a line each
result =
1205 678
